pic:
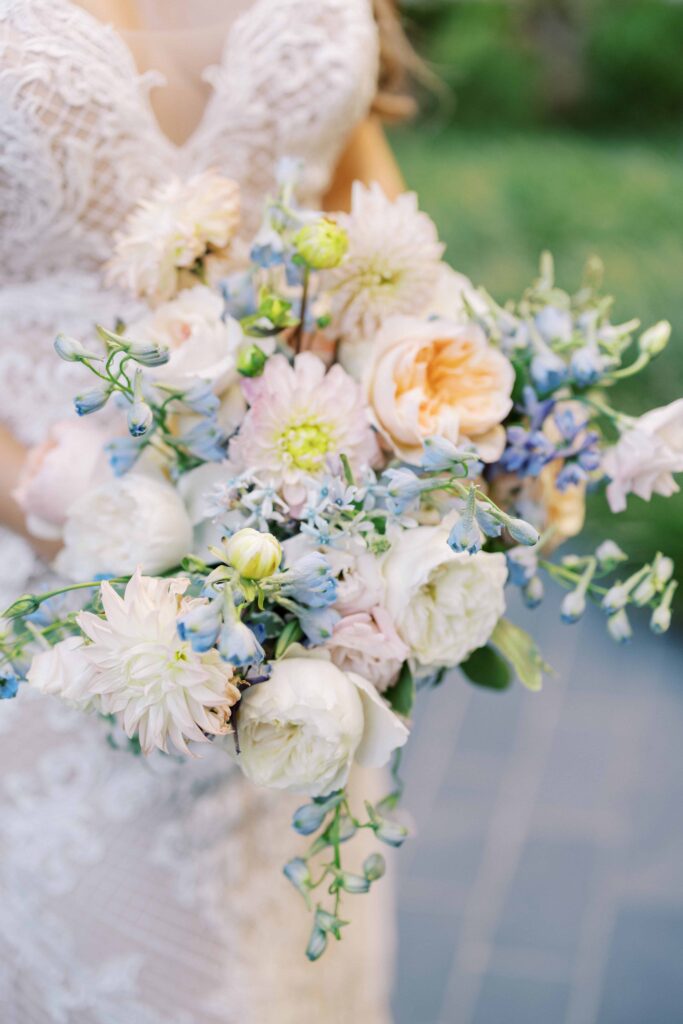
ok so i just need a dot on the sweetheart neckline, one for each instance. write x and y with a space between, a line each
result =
153 76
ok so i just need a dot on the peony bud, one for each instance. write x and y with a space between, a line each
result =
255 555
322 244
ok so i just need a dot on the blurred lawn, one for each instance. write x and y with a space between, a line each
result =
500 199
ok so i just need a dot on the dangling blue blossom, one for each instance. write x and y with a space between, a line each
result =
201 398
123 453
9 685
522 565
92 400
317 623
587 366
548 371
488 522
239 295
403 488
310 581
465 535
239 645
201 624
206 441
439 454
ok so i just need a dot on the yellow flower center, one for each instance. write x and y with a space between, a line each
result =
305 443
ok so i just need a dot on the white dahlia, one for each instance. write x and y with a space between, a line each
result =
392 264
300 416
180 223
143 672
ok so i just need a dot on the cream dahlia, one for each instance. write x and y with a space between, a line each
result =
167 233
392 264
160 688
300 417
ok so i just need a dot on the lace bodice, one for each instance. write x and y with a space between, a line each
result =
79 143
133 893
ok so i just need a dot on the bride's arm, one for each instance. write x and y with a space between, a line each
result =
367 158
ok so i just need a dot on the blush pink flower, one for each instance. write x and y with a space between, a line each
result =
301 416
367 643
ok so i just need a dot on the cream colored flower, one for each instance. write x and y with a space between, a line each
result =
303 728
392 263
160 688
201 343
444 605
645 458
435 377
181 223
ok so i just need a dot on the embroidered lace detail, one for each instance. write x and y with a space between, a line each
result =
148 891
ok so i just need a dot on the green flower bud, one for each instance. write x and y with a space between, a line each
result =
251 361
374 867
24 605
253 554
322 244
655 339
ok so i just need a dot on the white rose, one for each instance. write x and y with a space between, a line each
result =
201 343
64 672
444 605
130 521
303 728
646 456
68 463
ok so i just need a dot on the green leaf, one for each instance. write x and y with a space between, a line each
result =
289 635
521 651
401 695
485 667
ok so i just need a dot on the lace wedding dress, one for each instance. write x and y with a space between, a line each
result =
131 891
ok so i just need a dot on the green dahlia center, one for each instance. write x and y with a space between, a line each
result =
306 443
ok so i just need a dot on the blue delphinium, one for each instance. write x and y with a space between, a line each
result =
9 684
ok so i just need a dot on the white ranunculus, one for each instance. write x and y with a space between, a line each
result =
444 605
64 671
130 521
201 343
303 728
646 456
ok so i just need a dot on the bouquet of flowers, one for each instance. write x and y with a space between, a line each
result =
320 465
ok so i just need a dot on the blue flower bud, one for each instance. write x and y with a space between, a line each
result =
573 606
200 625
487 521
317 943
91 401
548 371
201 398
123 453
140 418
609 555
71 350
661 619
390 832
354 883
309 818
9 685
615 598
522 532
148 353
318 623
297 872
532 593
465 535
206 441
238 645
374 867
619 627
586 366
522 565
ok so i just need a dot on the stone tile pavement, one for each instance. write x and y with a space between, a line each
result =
545 882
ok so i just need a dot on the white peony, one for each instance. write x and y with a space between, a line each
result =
392 264
444 605
303 728
134 520
68 463
160 688
201 343
64 671
646 456
367 643
165 235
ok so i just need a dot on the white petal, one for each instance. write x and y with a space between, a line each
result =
383 731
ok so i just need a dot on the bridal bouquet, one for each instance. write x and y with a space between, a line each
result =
320 465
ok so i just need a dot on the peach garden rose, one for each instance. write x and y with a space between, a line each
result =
432 377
